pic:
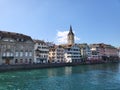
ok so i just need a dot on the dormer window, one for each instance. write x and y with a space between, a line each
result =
22 40
17 39
5 39
11 40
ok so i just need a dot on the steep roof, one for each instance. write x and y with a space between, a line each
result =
70 31
102 45
39 41
13 35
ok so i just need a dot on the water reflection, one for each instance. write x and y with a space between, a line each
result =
68 70
59 71
51 72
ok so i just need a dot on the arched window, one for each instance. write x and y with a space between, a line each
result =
16 53
30 60
26 61
21 53
16 60
21 61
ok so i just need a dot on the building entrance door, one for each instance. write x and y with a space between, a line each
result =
7 61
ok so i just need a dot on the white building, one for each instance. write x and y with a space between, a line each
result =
56 54
72 53
85 51
41 51
68 53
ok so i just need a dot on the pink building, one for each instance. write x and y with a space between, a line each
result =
101 50
110 51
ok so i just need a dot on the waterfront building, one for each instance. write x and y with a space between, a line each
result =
72 53
103 51
97 51
110 51
68 53
16 48
71 50
56 54
119 52
85 51
41 51
70 36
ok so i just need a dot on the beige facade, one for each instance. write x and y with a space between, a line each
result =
56 54
16 48
85 50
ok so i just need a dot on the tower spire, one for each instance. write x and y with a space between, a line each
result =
70 31
70 28
70 36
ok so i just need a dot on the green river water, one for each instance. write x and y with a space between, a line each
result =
83 77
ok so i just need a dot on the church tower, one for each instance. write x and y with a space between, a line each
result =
70 36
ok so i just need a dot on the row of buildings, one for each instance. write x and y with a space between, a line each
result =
16 48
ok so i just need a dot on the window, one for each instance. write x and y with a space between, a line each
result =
4 54
30 53
21 60
26 61
11 54
17 54
21 53
30 60
11 40
22 40
5 40
8 54
26 53
16 61
17 39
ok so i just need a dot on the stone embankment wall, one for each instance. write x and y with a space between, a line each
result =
48 65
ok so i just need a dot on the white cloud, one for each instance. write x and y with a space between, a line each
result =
77 38
62 37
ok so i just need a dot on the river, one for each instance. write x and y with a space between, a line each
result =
83 77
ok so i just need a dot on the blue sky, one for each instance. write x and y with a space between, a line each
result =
93 21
